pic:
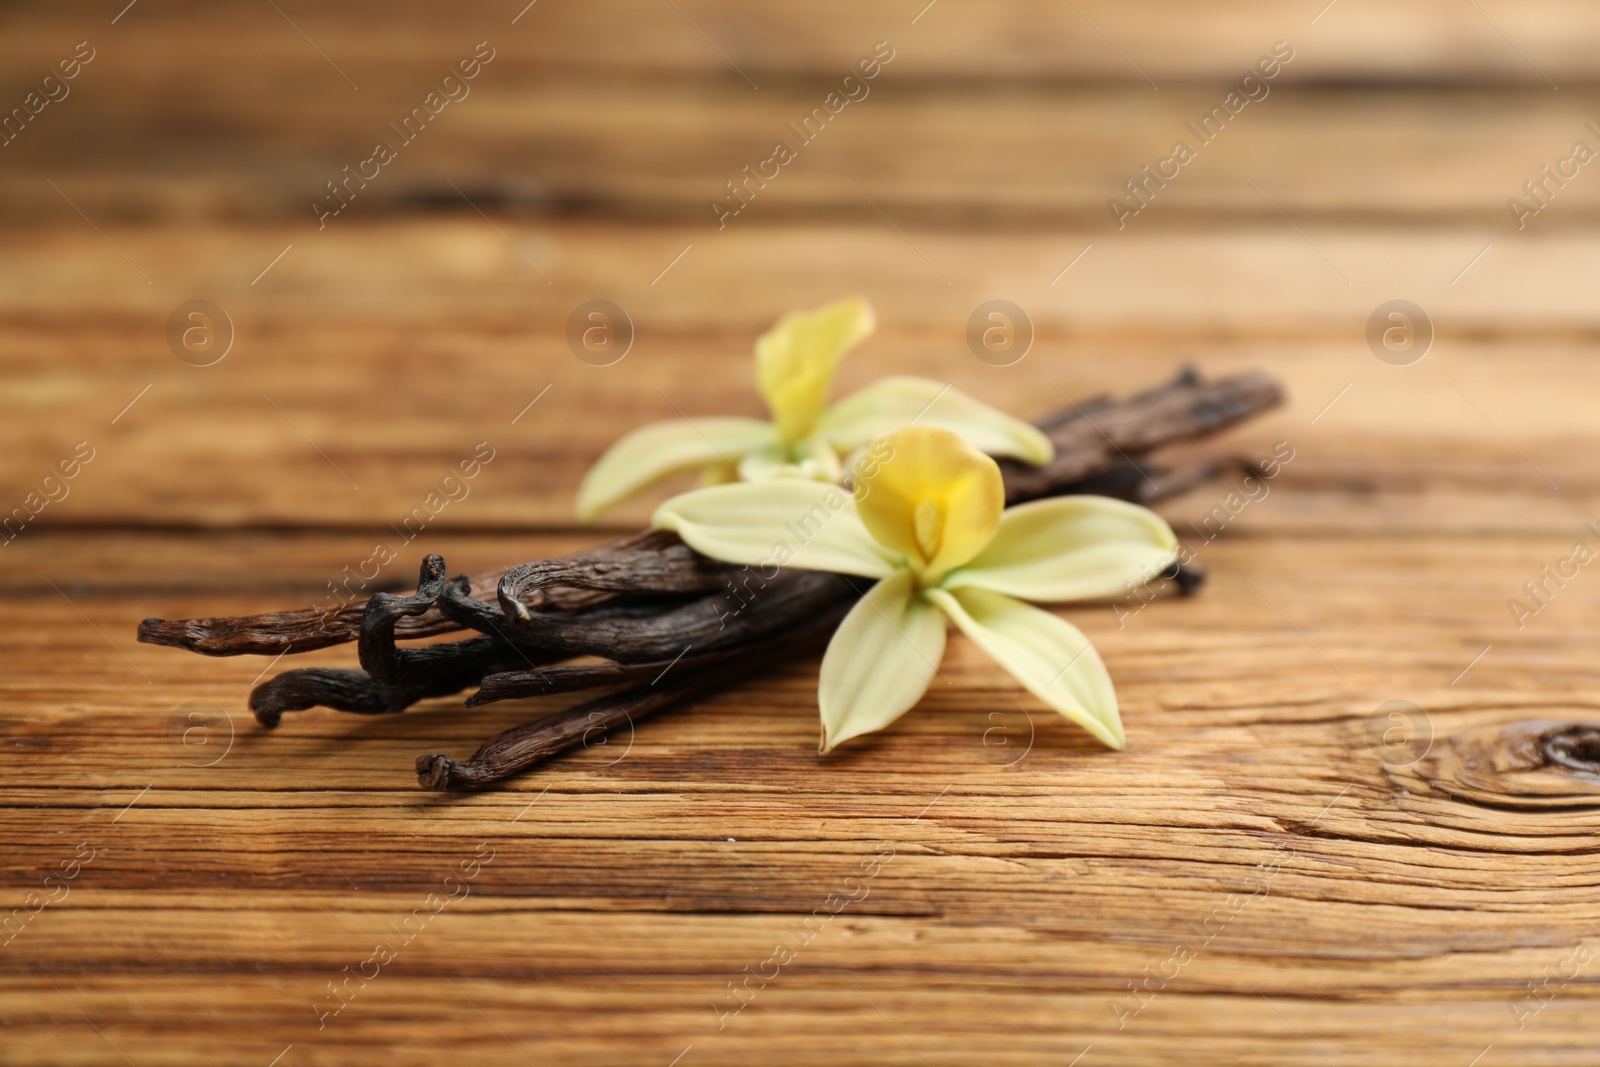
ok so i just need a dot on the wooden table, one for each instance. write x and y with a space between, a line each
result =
1355 820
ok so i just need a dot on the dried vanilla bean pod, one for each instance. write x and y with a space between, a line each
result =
431 671
516 750
830 609
670 569
505 672
1091 437
521 747
308 629
356 691
643 634
380 657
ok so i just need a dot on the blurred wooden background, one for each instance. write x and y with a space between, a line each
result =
1276 871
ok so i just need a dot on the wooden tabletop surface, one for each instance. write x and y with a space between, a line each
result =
1355 820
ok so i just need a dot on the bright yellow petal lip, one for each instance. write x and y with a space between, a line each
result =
930 496
796 360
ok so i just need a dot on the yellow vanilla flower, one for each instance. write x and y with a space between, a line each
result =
795 363
929 522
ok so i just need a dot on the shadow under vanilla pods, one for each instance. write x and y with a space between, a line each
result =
1221 514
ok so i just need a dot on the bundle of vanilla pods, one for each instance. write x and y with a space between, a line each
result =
671 624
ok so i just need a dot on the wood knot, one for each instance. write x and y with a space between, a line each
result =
1535 764
1575 747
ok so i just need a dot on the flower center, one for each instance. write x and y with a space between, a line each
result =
928 527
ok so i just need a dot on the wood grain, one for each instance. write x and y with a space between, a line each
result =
1355 821
1024 891
1168 39
477 337
1013 155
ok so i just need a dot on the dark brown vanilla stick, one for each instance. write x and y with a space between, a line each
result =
524 746
307 629
394 677
521 747
801 629
1093 436
355 691
1090 436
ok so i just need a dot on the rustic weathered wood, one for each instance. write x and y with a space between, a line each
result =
380 44
1031 154
1231 301
1019 903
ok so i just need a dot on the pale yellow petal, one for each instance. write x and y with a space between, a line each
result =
653 452
880 661
1048 655
929 495
1071 548
763 463
902 401
795 361
816 461
819 461
782 522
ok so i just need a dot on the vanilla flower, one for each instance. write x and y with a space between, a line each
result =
929 523
795 363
